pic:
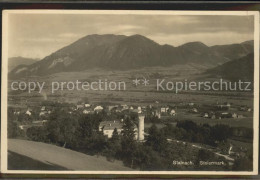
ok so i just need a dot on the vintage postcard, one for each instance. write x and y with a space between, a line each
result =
130 92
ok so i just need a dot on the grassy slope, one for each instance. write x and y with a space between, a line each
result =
60 157
19 162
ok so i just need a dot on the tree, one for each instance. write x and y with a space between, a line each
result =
37 133
187 125
128 131
115 136
147 159
61 127
13 130
221 132
114 146
156 139
87 125
128 142
243 164
89 139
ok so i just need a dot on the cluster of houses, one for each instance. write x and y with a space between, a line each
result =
221 115
245 108
156 111
217 111
29 111
87 108
221 111
44 111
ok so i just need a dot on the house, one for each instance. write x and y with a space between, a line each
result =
110 108
221 115
87 105
80 106
194 110
224 106
16 112
205 115
43 108
164 109
88 111
119 109
209 114
234 115
135 111
124 106
172 112
227 104
28 112
39 123
213 116
157 113
98 108
240 116
143 108
245 108
108 127
43 113
44 121
191 104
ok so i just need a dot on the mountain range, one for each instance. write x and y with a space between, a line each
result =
13 62
239 69
119 52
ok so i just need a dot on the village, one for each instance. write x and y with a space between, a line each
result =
160 114
171 118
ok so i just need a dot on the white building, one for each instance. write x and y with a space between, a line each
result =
43 108
141 127
87 111
172 112
98 108
139 109
28 113
87 105
108 128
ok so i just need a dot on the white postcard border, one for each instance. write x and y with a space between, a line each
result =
4 82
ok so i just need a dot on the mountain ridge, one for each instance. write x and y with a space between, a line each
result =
13 62
129 52
239 69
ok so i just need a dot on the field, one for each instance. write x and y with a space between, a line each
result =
138 95
233 122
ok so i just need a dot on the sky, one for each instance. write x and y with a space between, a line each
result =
39 35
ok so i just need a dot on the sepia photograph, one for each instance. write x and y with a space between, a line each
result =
130 92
